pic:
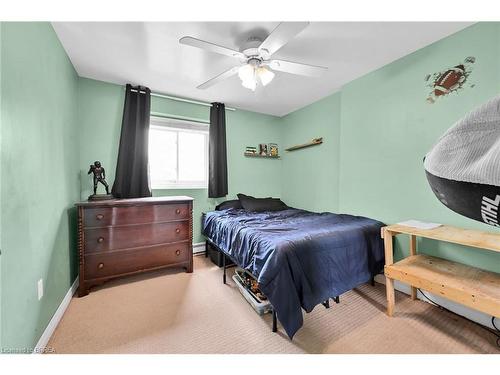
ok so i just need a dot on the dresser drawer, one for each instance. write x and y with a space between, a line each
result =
124 237
118 263
106 216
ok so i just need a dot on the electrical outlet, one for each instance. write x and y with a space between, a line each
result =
40 289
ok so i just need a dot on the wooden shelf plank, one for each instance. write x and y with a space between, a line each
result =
314 142
467 285
248 155
467 237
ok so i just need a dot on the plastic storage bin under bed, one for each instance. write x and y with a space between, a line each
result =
260 306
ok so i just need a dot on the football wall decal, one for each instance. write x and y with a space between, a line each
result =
450 80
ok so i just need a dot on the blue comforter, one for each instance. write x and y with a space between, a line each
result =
300 258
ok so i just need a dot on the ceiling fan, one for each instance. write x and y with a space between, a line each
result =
255 63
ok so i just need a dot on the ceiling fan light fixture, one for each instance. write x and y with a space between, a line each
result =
265 75
251 73
249 84
246 72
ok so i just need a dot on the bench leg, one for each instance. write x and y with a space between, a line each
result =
206 249
413 251
326 303
389 287
389 259
337 299
413 293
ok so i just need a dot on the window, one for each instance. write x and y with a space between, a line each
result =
178 154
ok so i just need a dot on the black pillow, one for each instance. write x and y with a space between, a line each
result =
236 204
250 203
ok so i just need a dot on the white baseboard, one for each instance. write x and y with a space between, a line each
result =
198 247
56 318
457 308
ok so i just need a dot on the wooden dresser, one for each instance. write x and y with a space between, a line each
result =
127 236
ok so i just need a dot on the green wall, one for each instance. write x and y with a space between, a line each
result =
101 107
39 157
310 176
388 127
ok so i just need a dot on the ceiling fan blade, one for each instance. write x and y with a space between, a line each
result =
281 35
193 42
219 78
297 68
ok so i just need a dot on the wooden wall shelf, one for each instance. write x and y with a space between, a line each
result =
248 155
314 142
457 282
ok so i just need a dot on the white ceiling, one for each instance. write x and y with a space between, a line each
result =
148 53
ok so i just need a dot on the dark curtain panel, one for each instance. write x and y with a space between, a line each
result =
132 175
217 154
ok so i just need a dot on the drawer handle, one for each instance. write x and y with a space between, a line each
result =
101 265
99 216
100 239
178 211
177 252
177 230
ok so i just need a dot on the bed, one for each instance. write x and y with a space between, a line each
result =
299 258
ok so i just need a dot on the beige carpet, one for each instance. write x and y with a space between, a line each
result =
175 312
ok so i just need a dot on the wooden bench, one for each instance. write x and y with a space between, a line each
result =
464 284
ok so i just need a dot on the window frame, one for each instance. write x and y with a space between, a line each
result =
186 126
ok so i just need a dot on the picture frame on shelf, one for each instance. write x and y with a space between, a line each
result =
263 149
251 150
273 149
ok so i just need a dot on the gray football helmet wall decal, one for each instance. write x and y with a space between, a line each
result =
463 167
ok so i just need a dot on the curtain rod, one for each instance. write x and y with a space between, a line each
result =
177 117
176 98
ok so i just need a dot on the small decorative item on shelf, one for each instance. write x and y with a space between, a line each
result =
251 150
263 149
273 149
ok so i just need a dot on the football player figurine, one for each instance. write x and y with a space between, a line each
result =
99 176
